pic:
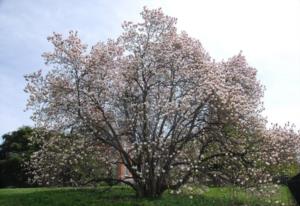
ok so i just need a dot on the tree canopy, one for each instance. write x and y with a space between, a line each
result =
160 103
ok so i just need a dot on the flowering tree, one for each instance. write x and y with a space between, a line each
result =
282 148
156 98
68 160
264 156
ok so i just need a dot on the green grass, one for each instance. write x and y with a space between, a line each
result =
123 196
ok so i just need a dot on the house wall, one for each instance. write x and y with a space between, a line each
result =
121 171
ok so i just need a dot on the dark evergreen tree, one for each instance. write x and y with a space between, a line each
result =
14 151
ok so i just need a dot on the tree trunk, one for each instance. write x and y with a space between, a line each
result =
148 193
146 190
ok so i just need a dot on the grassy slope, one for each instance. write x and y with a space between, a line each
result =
121 196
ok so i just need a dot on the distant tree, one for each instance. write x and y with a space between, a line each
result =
157 98
14 151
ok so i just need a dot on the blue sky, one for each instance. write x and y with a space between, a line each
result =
268 33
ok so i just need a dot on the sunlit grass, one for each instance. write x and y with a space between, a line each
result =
124 196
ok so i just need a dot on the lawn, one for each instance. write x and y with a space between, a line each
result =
123 196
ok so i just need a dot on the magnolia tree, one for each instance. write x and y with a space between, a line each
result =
156 98
282 146
68 160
